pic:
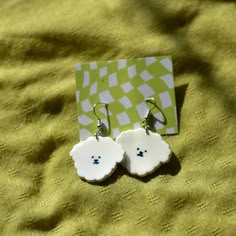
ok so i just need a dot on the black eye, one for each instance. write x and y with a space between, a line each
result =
99 157
145 150
137 148
92 156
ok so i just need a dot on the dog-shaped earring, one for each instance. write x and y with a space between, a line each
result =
144 150
96 157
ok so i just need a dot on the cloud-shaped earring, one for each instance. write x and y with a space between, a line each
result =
144 149
96 157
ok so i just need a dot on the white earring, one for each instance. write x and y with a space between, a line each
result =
144 149
96 157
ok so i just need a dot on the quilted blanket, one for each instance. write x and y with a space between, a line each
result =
40 191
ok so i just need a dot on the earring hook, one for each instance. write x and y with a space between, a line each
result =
153 102
100 125
145 123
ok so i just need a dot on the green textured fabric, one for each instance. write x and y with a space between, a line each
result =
40 192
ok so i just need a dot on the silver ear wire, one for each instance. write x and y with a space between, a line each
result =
146 120
100 125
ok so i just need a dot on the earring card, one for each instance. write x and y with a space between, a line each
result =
125 84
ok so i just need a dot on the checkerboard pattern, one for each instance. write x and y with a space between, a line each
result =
124 85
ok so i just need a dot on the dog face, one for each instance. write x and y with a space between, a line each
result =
96 159
143 153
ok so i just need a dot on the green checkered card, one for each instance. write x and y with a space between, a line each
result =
124 85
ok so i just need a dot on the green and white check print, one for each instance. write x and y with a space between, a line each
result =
124 85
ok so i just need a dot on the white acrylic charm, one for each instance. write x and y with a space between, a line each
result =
144 152
96 159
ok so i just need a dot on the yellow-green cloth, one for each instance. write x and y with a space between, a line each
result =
40 191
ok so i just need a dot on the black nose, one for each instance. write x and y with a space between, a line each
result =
95 161
140 154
